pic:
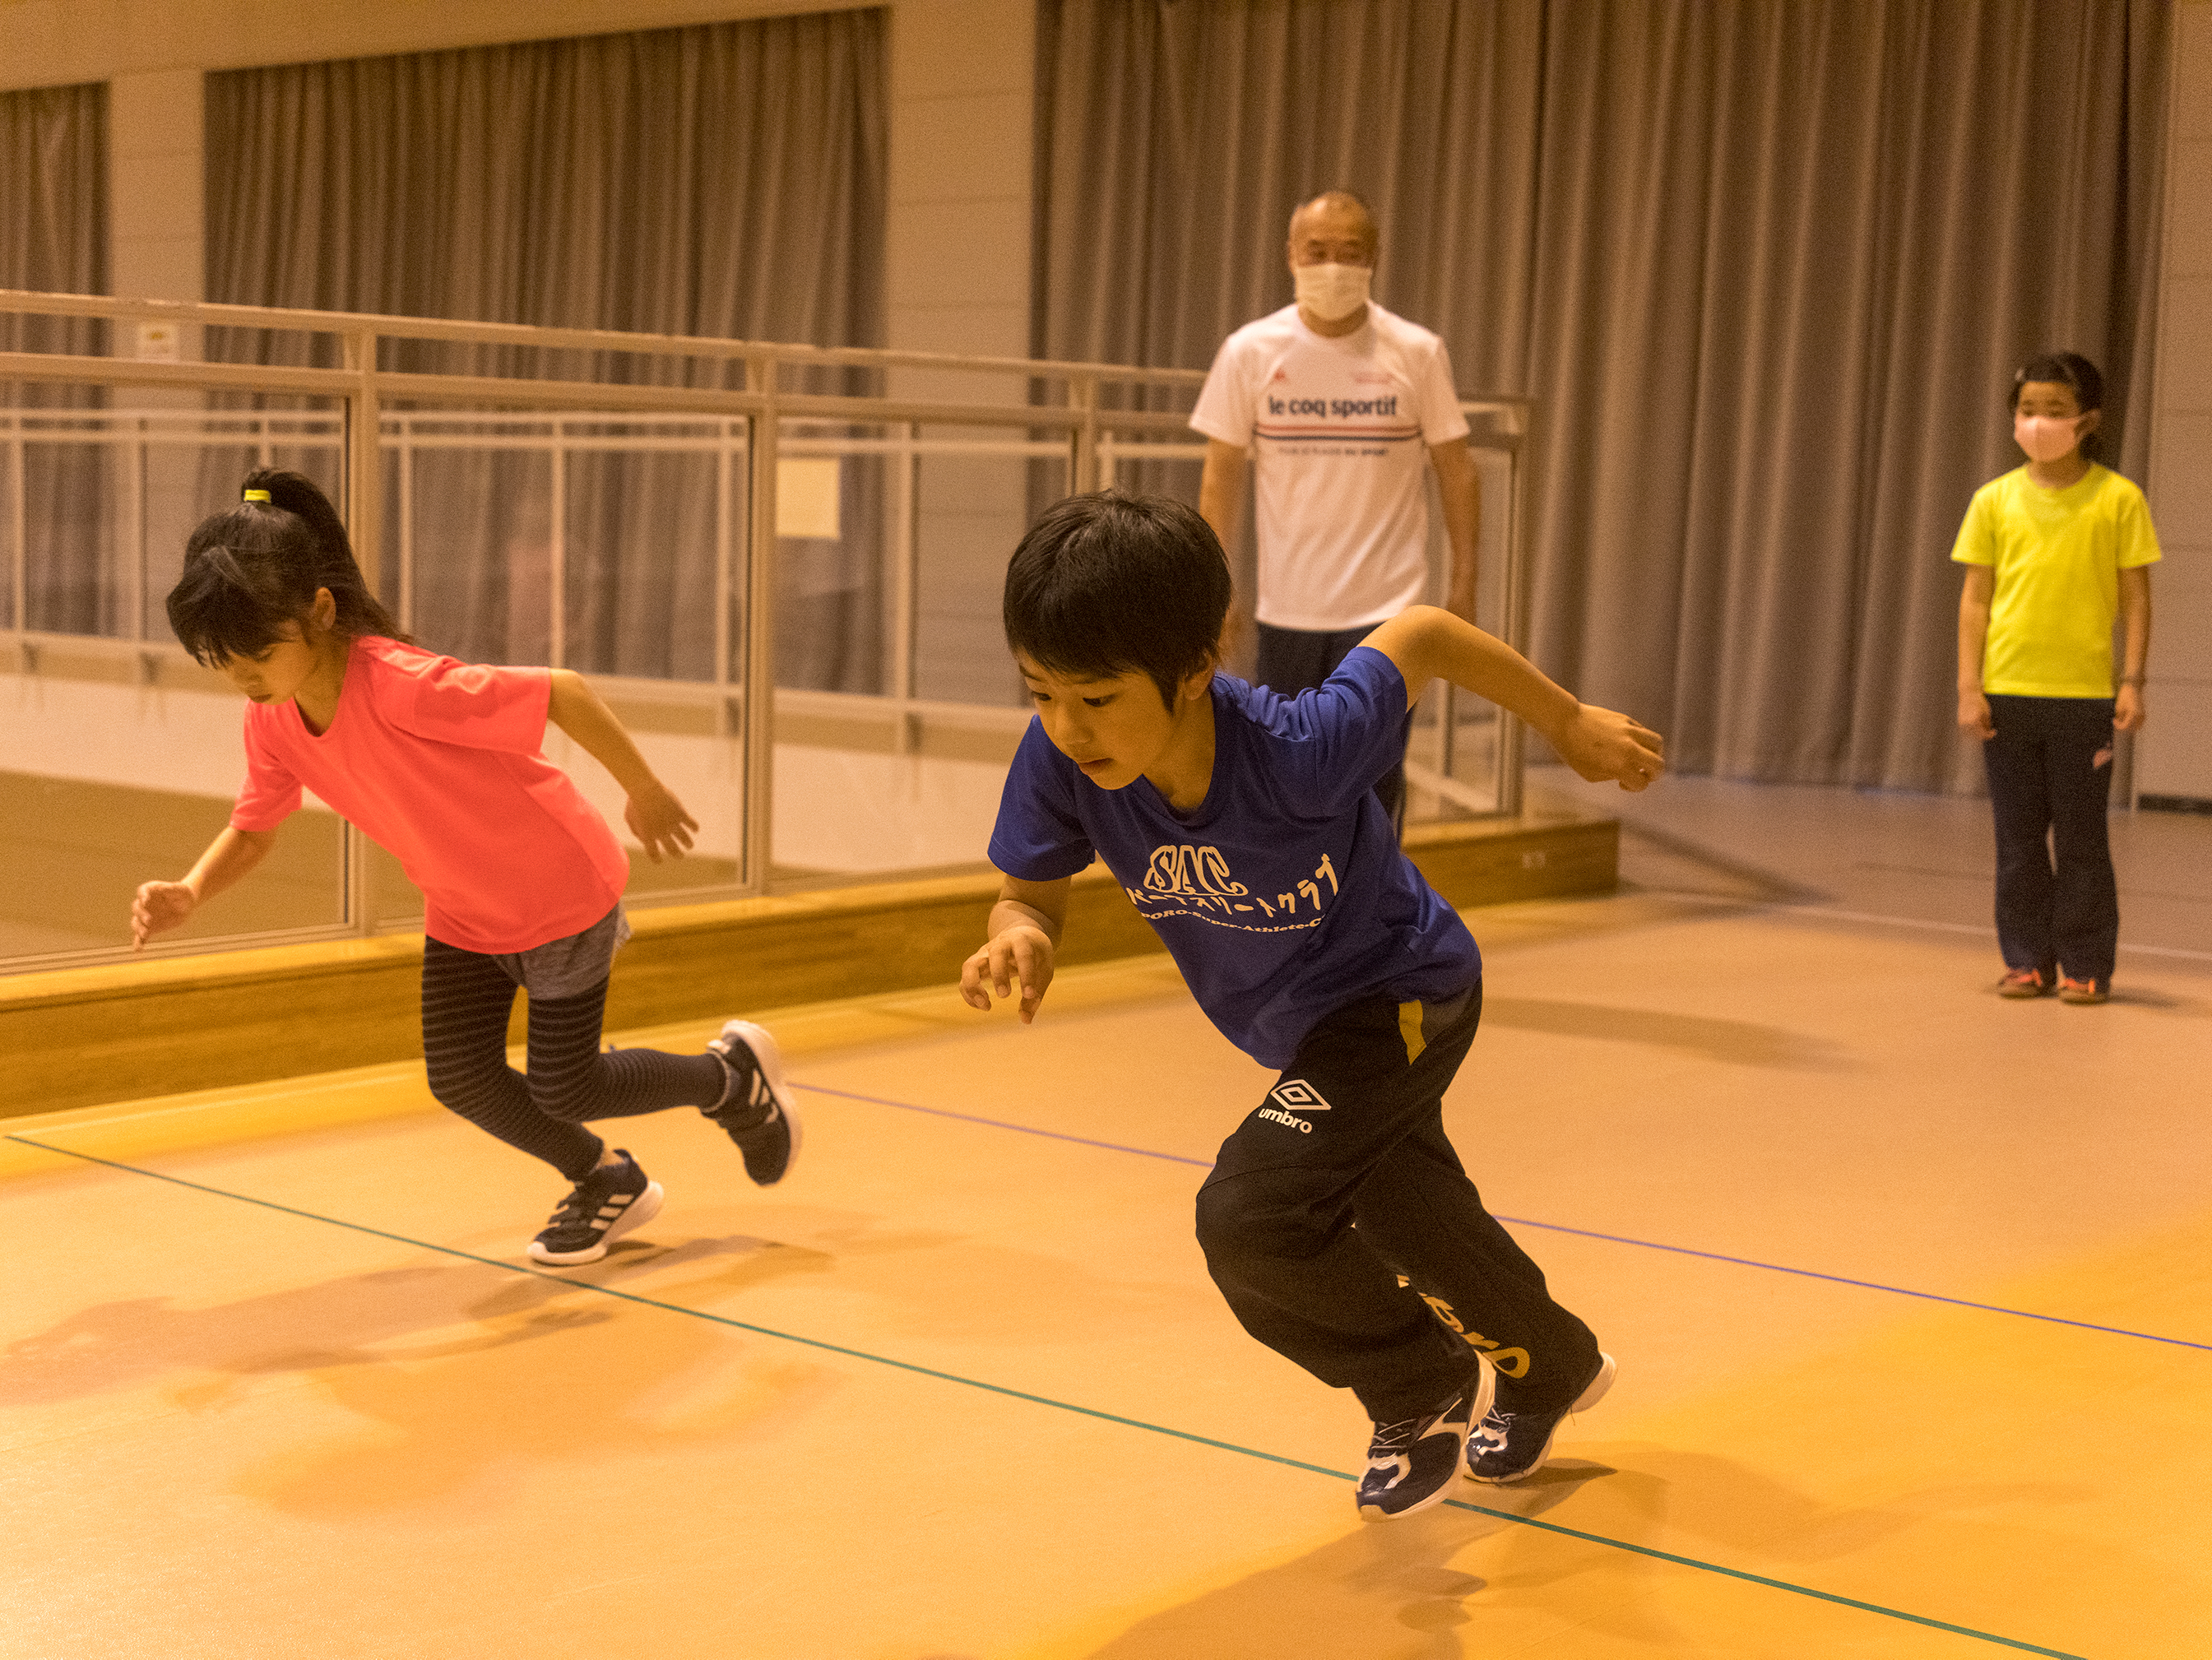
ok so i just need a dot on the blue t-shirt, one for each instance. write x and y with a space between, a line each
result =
1285 895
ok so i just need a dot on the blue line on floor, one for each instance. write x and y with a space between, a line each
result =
1004 1124
1038 1400
1553 1227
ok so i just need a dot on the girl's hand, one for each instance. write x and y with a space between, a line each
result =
656 818
159 906
2128 709
1974 716
1022 952
1600 744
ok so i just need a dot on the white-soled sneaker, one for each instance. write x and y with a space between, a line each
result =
1506 1446
757 1112
604 1206
1411 1463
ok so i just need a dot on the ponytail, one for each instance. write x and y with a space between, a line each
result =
252 570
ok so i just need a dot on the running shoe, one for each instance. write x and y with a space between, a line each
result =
1507 1446
604 1206
755 1109
2085 991
1411 1463
2025 982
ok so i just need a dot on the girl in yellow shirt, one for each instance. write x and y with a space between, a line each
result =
2053 550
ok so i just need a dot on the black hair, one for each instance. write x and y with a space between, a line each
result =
2065 368
1106 584
252 571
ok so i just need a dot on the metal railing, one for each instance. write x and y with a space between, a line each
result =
1089 424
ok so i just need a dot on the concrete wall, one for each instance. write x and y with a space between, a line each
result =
2173 754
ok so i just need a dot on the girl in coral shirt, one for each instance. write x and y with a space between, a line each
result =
439 763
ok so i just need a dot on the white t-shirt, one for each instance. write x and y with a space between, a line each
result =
1339 431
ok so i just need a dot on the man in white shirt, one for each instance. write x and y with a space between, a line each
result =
1342 407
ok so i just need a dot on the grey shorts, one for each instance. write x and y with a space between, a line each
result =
570 967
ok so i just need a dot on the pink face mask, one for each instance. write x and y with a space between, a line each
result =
2047 438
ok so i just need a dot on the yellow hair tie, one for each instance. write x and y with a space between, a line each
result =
256 495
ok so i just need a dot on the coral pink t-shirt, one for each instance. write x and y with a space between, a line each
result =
439 764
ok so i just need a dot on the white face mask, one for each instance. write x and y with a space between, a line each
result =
2047 438
1331 292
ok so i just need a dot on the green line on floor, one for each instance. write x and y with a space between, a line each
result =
1038 1400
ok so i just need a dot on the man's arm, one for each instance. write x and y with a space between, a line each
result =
1974 639
1221 504
1023 936
1426 643
2128 709
1460 486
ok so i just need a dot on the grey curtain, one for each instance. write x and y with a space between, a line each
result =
723 181
53 237
1767 267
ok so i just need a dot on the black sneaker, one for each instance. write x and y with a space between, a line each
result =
606 1205
1508 1445
756 1110
1411 1463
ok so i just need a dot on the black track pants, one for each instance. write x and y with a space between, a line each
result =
466 999
2051 786
1341 1181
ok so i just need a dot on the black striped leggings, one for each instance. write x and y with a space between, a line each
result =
466 999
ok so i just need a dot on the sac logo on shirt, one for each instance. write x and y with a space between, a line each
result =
1181 879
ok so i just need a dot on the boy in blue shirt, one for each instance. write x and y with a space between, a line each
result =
1245 828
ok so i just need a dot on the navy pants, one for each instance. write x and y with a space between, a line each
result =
1293 661
2050 784
1341 1184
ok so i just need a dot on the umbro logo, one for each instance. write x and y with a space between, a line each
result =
1290 1097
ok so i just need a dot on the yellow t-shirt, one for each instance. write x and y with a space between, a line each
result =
2058 556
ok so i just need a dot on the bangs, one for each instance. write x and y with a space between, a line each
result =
1074 639
218 613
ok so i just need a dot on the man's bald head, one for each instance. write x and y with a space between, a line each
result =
1334 228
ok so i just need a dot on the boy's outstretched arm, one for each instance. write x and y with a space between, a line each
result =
655 816
1025 933
1429 644
160 906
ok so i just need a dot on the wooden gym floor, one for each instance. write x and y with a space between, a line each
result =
1909 1288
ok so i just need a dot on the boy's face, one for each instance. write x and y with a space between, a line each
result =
2054 401
1115 729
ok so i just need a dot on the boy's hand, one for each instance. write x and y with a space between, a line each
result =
1600 744
1974 716
1022 952
2128 709
159 906
656 818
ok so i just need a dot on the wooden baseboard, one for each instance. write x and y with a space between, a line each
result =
84 1036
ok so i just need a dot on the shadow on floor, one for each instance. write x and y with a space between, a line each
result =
1742 1042
362 1319
1447 1584
1666 861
